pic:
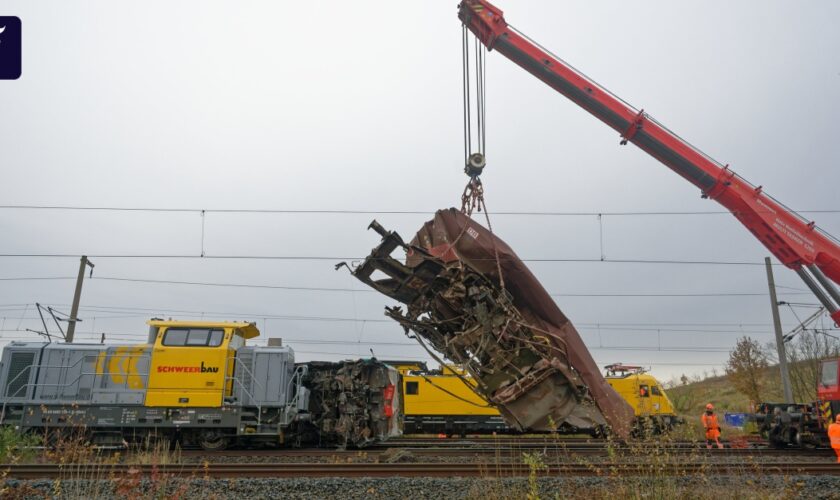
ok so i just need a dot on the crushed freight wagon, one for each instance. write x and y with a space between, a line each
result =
508 333
354 403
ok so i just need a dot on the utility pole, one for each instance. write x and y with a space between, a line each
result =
74 311
780 341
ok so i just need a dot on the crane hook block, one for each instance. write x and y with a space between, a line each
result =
475 164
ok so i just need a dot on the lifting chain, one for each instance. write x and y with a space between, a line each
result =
473 196
471 200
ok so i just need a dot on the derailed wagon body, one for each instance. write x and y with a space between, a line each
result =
525 355
355 403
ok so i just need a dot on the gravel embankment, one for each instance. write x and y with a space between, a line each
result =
719 487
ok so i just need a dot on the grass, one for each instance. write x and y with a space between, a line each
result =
611 476
71 450
690 398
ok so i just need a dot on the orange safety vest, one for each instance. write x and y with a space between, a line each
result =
834 435
710 422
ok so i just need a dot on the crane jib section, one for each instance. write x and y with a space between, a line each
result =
795 241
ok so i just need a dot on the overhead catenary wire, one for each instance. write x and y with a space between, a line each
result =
365 290
140 337
110 314
203 255
341 258
96 339
326 319
105 315
145 311
631 213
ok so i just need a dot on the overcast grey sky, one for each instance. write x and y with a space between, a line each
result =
328 105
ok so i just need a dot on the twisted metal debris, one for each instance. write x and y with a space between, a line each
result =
469 297
352 401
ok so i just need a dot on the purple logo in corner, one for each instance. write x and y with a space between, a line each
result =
10 48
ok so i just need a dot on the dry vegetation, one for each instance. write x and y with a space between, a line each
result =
657 481
609 476
71 450
690 395
749 372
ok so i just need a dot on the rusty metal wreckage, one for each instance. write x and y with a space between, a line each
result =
469 297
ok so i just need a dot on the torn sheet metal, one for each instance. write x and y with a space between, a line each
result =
355 403
523 352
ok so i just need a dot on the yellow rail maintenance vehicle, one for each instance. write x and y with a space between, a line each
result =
199 384
443 402
645 394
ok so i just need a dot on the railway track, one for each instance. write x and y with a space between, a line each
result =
508 446
99 471
381 454
545 441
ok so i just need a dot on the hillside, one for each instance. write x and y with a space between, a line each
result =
691 398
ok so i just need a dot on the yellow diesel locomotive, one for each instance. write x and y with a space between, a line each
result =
441 401
197 383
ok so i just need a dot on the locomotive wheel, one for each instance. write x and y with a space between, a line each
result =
212 441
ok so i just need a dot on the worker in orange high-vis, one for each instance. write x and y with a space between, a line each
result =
834 436
710 423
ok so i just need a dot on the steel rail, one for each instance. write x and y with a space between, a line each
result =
100 471
382 454
547 441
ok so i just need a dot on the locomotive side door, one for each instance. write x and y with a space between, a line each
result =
643 393
189 366
657 400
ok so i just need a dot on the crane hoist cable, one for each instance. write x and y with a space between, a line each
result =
473 196
474 138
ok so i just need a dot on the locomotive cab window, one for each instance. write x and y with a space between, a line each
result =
828 377
412 388
193 337
644 391
655 390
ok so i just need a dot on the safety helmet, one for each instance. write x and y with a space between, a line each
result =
710 407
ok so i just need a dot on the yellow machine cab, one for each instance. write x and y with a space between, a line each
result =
192 360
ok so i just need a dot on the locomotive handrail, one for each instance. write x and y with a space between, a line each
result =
233 378
253 399
76 381
65 368
295 381
250 374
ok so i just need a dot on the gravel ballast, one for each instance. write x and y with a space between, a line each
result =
812 487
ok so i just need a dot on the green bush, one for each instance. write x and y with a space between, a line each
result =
16 446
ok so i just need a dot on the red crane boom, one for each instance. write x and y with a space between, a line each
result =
798 243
